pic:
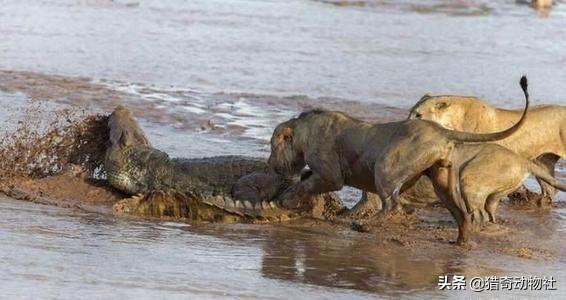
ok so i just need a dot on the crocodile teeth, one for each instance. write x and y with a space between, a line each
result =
272 204
264 204
217 201
238 204
229 203
248 205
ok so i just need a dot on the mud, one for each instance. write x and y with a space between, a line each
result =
65 190
45 143
426 230
56 158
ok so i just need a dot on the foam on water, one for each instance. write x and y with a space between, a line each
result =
257 121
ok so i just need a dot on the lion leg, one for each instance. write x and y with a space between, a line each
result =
483 205
491 205
391 202
478 214
454 204
464 230
325 176
313 185
548 161
259 186
463 204
403 162
479 217
369 205
461 214
463 220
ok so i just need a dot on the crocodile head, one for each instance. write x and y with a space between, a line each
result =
131 164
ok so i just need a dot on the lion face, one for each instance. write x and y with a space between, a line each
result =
434 109
286 158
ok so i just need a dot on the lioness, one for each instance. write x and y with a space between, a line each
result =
542 137
473 162
341 150
476 178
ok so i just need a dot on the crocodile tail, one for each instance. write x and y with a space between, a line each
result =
469 137
543 174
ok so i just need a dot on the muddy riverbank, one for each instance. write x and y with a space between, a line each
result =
402 257
214 78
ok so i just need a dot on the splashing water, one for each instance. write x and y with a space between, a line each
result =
45 144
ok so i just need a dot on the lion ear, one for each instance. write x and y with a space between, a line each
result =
441 105
286 134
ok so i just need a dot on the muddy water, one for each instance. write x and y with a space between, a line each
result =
58 253
214 77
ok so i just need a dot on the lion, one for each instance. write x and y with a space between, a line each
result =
464 169
469 188
341 150
542 4
542 137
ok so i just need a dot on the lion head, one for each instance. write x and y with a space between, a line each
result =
439 109
286 157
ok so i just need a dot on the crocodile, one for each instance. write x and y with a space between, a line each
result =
215 189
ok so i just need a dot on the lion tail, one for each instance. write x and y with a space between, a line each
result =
468 137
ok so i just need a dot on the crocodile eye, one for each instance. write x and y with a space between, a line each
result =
418 115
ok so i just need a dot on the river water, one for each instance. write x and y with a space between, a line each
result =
214 77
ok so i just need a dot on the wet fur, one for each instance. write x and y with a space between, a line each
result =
341 150
542 137
470 189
